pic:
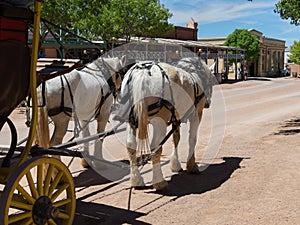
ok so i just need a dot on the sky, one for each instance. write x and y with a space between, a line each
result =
219 18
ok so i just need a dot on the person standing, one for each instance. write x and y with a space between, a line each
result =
245 73
239 74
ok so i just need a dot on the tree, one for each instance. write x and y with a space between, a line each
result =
295 52
289 9
242 38
56 12
127 18
108 19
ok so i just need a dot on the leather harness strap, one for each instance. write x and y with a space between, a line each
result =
67 110
162 102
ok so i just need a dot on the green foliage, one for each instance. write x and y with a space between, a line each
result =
295 52
289 9
108 19
126 18
57 12
242 38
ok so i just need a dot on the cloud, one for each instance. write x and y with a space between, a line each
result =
289 29
206 12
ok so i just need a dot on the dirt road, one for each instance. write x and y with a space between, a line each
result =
249 145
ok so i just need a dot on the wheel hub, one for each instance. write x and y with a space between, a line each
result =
43 210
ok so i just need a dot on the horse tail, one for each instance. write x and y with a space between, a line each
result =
42 137
142 112
140 90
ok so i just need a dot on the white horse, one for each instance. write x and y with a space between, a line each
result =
85 95
162 94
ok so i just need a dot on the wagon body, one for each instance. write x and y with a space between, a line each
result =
30 192
14 57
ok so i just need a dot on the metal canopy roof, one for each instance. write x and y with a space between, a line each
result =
199 44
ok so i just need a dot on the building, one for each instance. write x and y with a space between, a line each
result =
181 42
271 58
291 68
189 32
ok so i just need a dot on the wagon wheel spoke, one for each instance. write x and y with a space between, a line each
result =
63 216
59 191
32 187
55 183
25 194
48 179
19 217
21 205
40 179
51 222
29 222
61 203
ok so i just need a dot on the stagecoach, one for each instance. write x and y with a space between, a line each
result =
35 188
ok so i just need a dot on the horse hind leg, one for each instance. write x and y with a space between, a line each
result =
102 119
192 166
85 133
136 179
61 122
174 161
158 181
159 131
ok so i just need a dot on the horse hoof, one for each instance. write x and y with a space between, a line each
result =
161 185
84 163
137 183
176 168
193 169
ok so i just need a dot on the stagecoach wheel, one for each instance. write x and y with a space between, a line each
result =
32 196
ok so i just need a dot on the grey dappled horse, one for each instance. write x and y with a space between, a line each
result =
162 94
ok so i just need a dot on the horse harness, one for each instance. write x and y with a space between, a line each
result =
68 110
205 84
162 102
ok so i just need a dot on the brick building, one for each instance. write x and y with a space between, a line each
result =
189 32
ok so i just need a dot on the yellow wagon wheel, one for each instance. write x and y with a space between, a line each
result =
32 196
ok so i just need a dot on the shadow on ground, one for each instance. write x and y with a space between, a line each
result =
95 214
113 170
180 185
290 127
213 177
89 178
90 213
233 81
